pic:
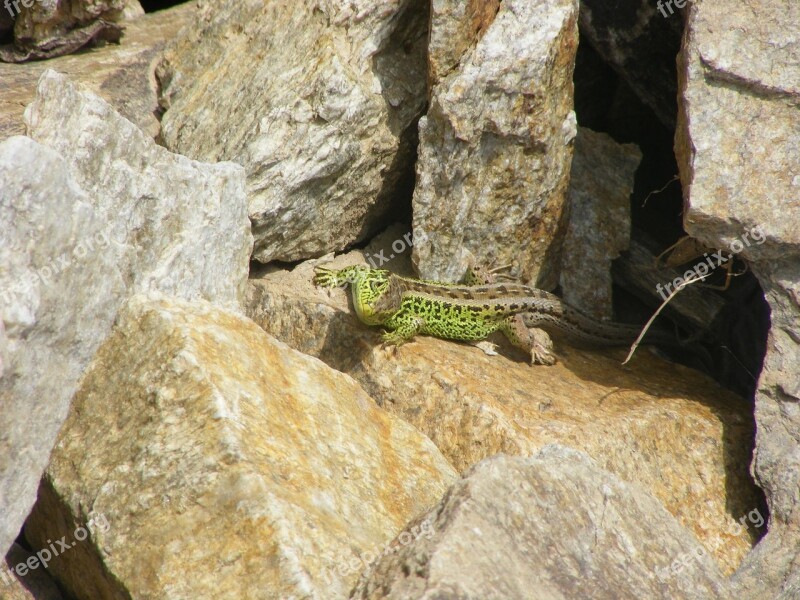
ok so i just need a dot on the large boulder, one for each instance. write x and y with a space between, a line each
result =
91 212
223 464
323 117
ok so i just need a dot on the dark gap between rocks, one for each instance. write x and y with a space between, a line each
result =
156 5
736 340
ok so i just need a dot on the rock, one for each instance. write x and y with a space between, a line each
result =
226 465
120 74
456 28
47 29
660 425
640 39
18 581
323 117
184 222
737 144
97 213
601 182
494 151
555 525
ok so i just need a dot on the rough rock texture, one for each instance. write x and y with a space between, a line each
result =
98 213
601 182
50 28
551 526
495 150
678 434
737 146
120 74
185 221
456 28
640 39
322 117
33 584
226 465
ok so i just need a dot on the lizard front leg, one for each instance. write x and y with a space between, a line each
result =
535 342
404 326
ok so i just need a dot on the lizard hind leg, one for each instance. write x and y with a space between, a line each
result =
535 342
481 275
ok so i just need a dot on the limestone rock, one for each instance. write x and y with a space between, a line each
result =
99 214
601 182
737 145
226 465
660 425
120 74
322 117
640 39
552 526
494 151
190 215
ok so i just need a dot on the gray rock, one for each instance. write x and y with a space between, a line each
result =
100 213
551 526
601 182
322 117
737 145
494 151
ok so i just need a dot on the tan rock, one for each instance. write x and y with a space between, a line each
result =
661 425
322 116
226 465
551 526
120 74
494 151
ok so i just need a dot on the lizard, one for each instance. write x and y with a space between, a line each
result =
407 306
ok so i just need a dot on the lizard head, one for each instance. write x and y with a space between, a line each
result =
368 285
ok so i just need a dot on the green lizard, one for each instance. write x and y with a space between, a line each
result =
407 307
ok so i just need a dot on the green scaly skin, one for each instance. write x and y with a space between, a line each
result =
407 307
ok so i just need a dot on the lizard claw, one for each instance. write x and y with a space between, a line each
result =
541 348
324 277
